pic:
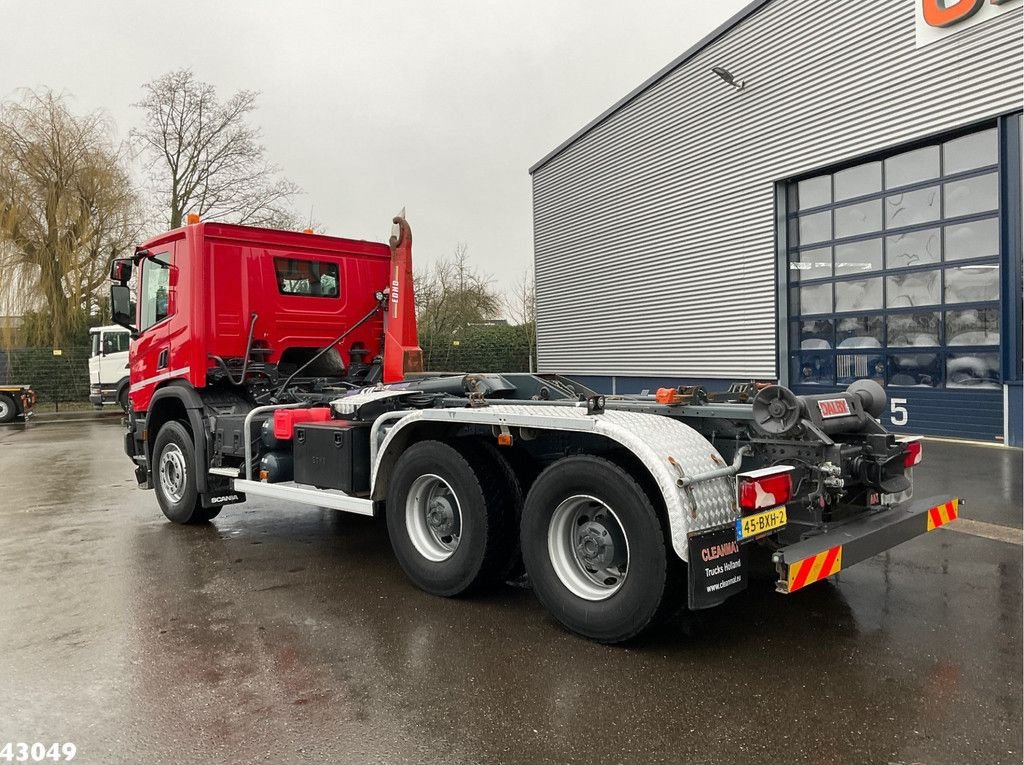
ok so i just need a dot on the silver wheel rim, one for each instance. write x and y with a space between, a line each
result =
5 408
173 472
588 547
433 518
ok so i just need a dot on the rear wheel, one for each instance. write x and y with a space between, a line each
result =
449 518
8 409
504 479
174 476
595 551
122 399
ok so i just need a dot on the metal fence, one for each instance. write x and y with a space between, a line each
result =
56 379
64 379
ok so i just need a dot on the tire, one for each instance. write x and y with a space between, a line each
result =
8 409
174 476
450 519
509 486
122 399
595 551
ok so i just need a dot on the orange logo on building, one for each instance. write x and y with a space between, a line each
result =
938 13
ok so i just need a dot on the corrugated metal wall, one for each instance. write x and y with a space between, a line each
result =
654 232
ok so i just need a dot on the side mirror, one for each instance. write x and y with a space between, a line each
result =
121 271
121 307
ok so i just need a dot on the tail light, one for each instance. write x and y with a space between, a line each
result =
912 452
760 489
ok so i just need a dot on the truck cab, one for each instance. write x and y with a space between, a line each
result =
108 366
227 317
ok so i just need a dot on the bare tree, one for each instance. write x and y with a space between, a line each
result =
520 302
67 209
450 295
205 158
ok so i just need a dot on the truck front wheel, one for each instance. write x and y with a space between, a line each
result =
8 409
594 549
174 476
450 519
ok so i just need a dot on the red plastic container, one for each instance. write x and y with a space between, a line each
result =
286 419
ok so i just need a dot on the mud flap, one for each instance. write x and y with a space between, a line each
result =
220 492
219 499
717 568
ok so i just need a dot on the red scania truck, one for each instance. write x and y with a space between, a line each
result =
286 365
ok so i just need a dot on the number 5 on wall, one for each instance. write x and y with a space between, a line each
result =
898 411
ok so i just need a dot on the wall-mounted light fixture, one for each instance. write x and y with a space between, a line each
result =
727 77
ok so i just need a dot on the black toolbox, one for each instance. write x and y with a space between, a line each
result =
333 455
229 435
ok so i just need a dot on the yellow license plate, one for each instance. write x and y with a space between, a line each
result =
761 523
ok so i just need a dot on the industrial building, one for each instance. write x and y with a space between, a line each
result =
815 193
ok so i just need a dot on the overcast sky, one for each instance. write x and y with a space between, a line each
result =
440 107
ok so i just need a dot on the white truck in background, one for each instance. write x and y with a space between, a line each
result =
108 366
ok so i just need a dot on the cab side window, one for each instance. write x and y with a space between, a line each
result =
155 283
115 342
315 278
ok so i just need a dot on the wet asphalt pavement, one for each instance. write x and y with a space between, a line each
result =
282 633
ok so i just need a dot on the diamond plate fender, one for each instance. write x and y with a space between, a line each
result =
350 404
670 449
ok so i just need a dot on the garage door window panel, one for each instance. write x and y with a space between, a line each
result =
814 192
858 181
858 257
860 332
912 207
813 334
913 248
972 284
972 370
970 152
915 370
811 264
860 218
813 369
912 330
973 239
859 295
912 167
815 227
860 366
969 196
815 298
972 326
914 288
